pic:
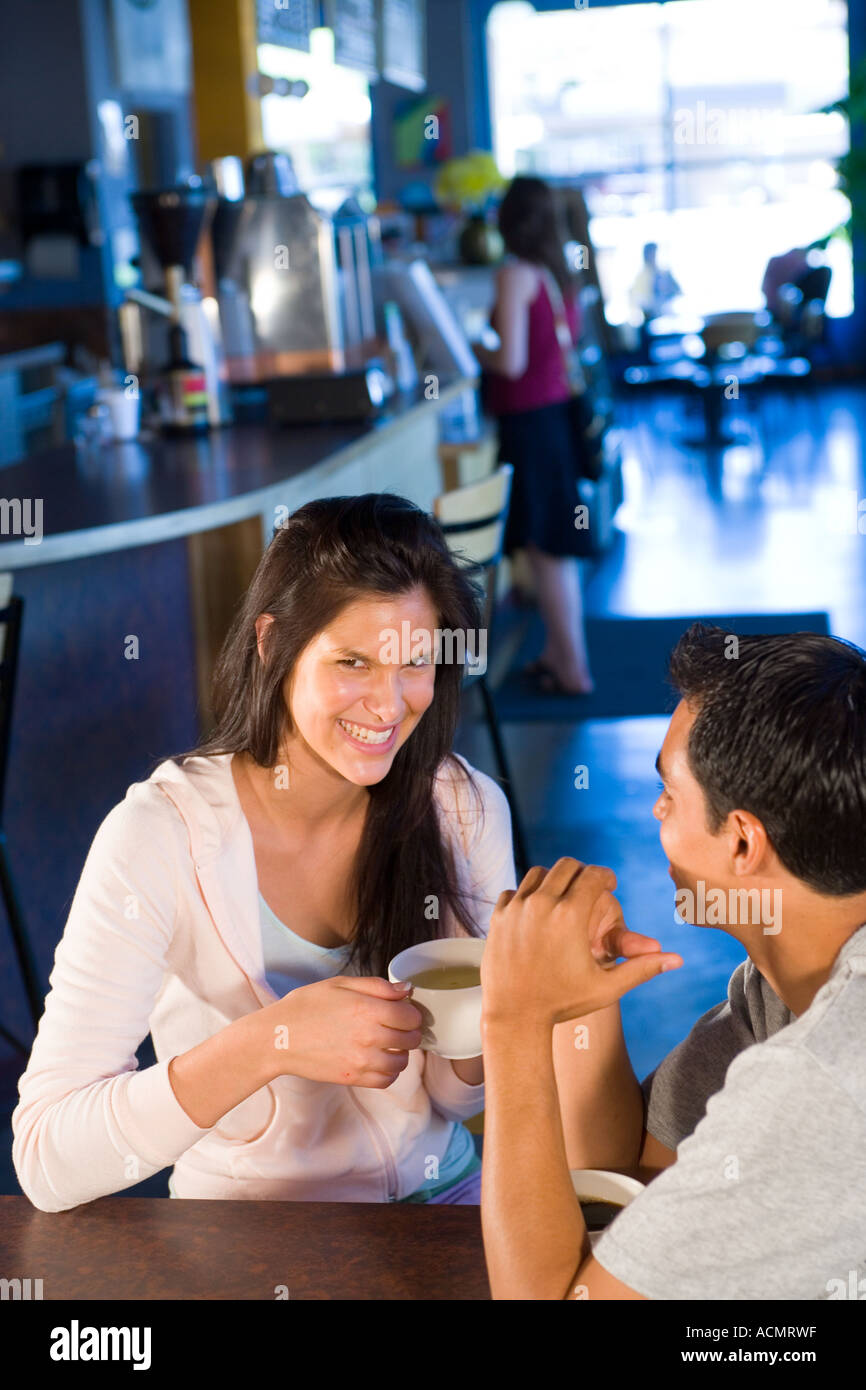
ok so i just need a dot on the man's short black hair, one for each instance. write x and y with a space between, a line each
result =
780 731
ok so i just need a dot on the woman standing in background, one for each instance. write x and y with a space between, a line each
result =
528 391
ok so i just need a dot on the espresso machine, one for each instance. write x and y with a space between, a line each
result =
171 221
295 295
291 273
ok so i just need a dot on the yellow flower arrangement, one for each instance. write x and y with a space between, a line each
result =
469 181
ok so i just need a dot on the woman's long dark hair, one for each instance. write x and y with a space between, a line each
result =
326 555
528 223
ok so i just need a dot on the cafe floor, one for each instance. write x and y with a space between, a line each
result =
763 528
751 531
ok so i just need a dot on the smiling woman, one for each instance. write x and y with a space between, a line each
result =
321 694
244 902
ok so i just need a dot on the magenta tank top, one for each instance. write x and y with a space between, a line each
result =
544 382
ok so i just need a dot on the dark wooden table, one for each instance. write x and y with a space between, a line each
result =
142 1248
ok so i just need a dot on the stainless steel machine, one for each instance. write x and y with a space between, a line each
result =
295 290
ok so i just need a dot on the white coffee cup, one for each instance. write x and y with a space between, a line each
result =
123 409
597 1184
451 1017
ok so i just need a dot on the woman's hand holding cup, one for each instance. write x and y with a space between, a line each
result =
348 1030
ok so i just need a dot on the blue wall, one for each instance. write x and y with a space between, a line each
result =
449 75
87 723
56 66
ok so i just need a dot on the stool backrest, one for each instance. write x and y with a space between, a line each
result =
473 519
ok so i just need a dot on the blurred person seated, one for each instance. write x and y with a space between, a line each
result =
655 287
794 280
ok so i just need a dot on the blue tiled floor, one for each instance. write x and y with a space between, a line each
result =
757 531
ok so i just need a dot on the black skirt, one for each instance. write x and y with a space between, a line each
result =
544 491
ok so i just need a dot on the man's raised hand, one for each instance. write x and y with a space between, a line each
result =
552 947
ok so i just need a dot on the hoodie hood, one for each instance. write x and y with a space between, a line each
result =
221 844
204 792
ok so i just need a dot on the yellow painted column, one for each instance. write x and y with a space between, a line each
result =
227 116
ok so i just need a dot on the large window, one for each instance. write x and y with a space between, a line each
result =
695 124
326 132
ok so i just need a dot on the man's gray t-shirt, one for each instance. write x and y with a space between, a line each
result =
767 1112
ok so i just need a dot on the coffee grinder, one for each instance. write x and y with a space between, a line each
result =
185 364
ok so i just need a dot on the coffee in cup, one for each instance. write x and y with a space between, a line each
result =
602 1196
446 978
597 1213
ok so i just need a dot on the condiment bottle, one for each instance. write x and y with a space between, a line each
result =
184 397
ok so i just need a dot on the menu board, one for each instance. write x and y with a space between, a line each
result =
151 46
355 41
286 22
402 41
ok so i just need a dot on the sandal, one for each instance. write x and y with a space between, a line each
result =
550 684
548 681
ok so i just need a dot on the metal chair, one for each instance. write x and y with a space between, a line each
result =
805 321
11 610
473 519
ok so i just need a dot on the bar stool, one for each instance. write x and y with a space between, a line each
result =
473 519
11 610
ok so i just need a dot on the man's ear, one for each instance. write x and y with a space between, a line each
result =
263 622
749 843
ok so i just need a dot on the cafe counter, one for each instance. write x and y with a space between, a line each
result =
145 551
224 493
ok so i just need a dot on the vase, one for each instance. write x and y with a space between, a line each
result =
480 243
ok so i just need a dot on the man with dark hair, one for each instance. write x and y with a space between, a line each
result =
751 1134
